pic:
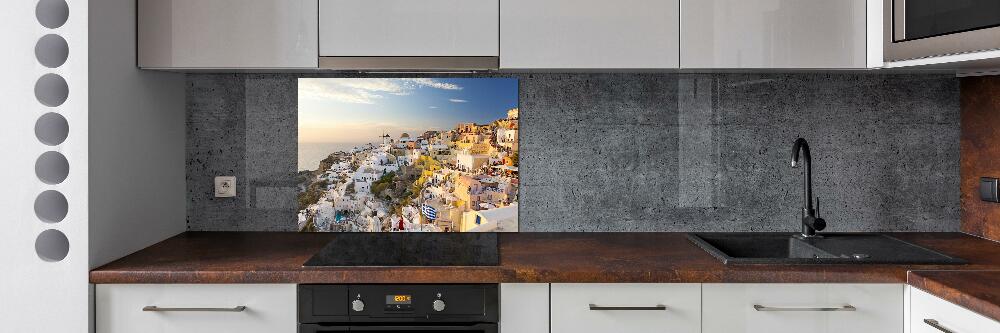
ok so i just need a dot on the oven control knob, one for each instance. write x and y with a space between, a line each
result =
358 305
438 305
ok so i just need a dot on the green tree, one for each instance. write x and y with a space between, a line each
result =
383 183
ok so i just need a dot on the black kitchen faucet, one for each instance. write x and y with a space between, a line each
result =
810 221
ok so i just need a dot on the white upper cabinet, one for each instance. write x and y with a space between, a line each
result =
512 34
227 33
408 28
777 33
570 34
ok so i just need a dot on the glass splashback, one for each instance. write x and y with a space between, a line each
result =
408 154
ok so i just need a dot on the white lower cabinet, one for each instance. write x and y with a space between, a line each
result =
930 314
569 307
524 308
625 307
196 308
802 308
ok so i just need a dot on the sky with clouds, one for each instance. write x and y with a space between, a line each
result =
358 110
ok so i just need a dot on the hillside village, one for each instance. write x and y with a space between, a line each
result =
461 180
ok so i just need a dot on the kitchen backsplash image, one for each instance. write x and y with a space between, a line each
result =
407 154
595 152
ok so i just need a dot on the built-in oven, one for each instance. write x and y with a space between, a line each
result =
387 308
928 28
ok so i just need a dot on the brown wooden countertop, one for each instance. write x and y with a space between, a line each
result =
268 257
978 291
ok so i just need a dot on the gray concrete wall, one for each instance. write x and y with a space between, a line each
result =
640 152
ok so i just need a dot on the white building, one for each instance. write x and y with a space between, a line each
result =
364 177
405 138
507 138
503 219
468 161
325 217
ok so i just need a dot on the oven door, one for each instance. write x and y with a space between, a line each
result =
916 29
474 328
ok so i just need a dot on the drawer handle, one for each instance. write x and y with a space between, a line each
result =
759 307
154 308
657 307
935 324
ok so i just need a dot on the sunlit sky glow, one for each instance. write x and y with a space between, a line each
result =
358 110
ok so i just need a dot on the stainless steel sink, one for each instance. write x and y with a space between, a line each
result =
835 248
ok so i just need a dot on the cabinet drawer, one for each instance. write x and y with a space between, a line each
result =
622 307
269 308
802 308
946 315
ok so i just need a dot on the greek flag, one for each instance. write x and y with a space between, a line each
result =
429 212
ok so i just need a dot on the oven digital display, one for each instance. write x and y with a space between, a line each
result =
398 299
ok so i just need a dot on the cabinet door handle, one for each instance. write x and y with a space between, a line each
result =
935 324
658 307
848 307
154 308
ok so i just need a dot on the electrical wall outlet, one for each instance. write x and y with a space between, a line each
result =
988 189
225 187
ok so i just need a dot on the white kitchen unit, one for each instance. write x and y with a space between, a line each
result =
626 307
190 308
353 33
930 314
580 34
43 204
779 34
524 308
245 34
802 308
81 123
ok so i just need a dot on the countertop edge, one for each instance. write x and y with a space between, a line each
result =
941 283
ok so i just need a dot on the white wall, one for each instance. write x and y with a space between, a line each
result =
38 295
137 122
124 187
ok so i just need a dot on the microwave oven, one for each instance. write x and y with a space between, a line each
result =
915 29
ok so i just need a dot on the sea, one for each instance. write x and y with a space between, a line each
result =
310 153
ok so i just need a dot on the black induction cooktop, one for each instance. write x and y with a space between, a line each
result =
408 249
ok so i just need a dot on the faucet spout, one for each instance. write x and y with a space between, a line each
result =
801 145
810 222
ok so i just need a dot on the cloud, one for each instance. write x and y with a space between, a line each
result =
373 85
434 84
432 107
364 90
453 100
318 89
